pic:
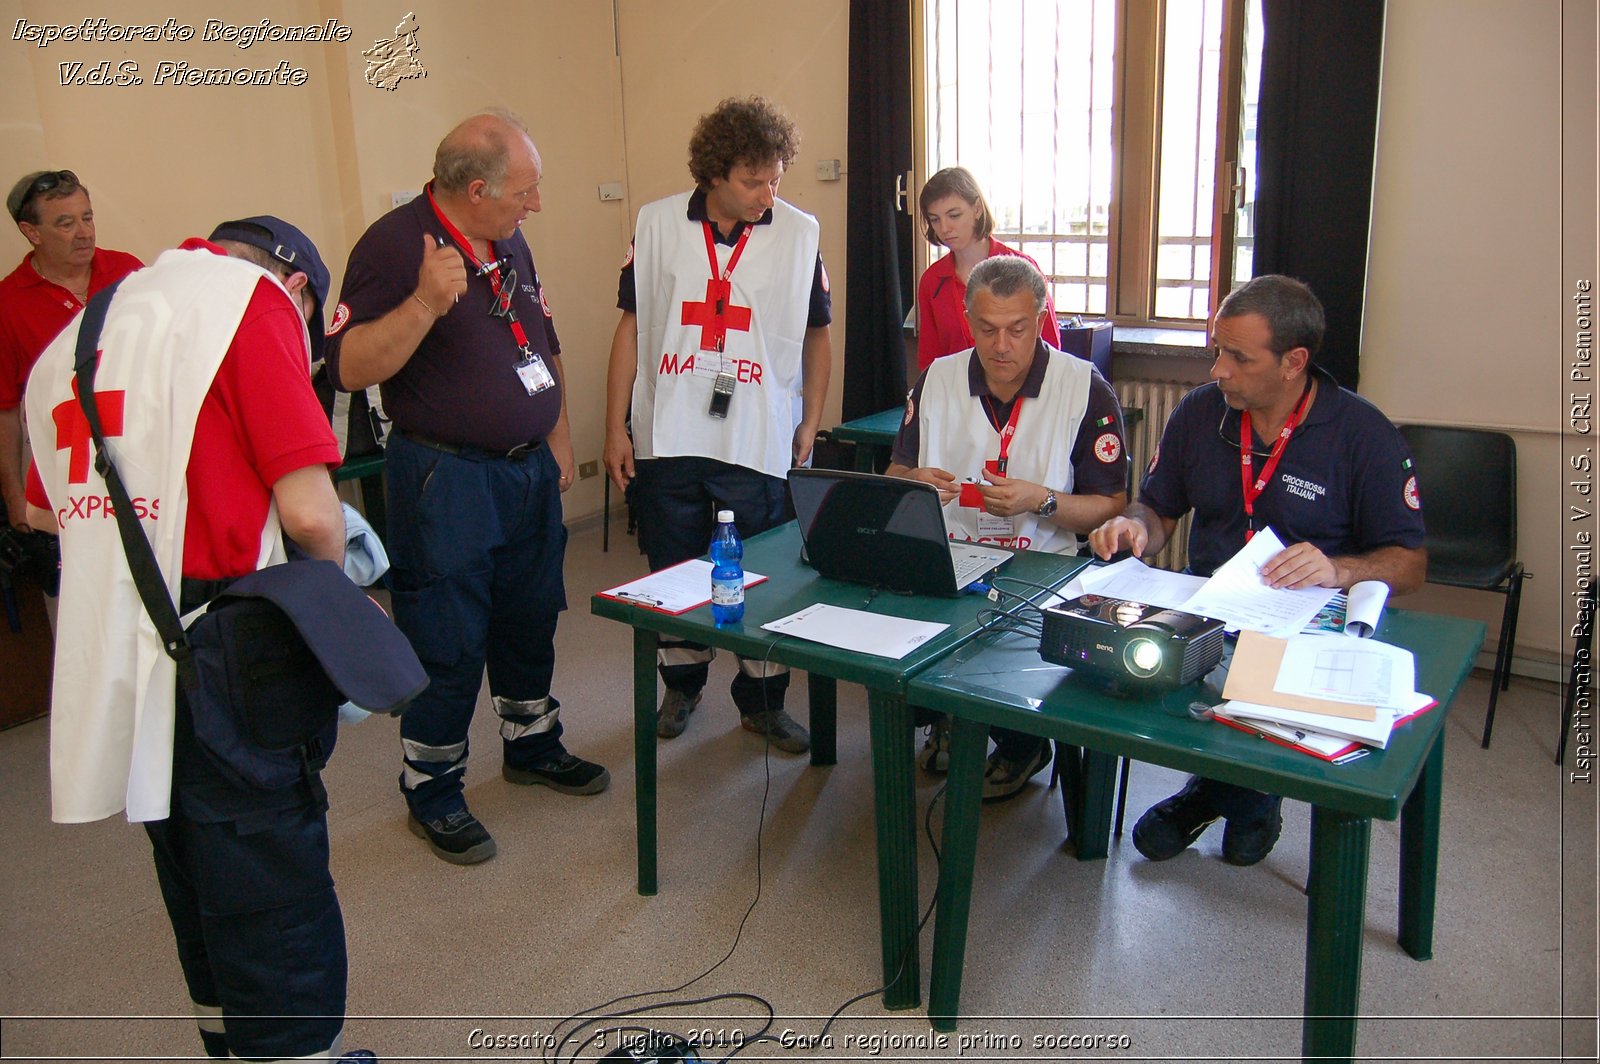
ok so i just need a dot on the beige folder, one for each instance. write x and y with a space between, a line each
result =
1255 669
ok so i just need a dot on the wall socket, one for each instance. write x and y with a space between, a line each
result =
588 469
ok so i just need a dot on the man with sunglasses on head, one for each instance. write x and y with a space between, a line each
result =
443 309
37 300
1272 441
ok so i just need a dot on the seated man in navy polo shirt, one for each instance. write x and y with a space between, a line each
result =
1272 441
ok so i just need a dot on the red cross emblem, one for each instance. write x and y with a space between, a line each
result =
1108 448
72 429
716 315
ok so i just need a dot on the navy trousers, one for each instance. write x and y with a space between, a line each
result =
244 875
477 544
678 500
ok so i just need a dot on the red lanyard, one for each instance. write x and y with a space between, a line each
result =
1006 433
1247 458
493 272
719 290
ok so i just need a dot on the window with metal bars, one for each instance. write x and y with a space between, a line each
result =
1113 139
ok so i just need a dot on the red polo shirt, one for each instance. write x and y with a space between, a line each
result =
33 311
259 421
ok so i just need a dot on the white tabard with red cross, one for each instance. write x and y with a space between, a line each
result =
955 434
112 713
757 316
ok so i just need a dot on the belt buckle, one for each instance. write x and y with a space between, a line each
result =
522 448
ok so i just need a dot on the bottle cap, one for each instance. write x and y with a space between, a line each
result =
725 517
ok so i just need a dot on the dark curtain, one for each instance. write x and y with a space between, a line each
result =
878 244
1317 124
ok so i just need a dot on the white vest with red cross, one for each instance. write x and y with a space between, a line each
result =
955 435
760 329
167 331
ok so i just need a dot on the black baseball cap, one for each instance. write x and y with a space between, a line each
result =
291 247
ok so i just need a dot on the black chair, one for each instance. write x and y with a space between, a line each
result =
1469 488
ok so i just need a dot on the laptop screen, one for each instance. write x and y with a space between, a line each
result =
881 531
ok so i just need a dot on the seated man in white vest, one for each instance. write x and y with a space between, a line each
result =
1024 443
204 392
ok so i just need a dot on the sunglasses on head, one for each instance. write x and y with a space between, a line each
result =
48 181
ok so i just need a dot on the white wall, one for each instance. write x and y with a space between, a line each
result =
1467 315
1466 312
164 162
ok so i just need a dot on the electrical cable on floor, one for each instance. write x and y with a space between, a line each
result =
583 1019
1025 617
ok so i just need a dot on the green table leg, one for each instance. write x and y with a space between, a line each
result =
1334 921
962 802
866 458
824 694
895 809
1091 834
1419 856
644 754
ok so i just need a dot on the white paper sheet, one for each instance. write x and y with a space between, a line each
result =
858 630
1133 579
1236 595
1345 668
676 589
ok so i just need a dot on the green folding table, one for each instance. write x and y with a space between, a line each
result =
1000 679
790 587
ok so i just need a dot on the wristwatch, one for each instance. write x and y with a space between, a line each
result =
1048 507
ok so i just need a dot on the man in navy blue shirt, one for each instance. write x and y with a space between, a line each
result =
1271 441
443 309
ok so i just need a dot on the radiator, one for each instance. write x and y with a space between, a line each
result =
1156 399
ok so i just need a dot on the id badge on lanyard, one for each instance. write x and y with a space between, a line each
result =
713 317
534 374
530 367
992 528
1253 486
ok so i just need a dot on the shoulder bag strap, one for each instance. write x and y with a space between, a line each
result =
141 558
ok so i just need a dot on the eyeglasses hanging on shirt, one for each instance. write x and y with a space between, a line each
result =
530 368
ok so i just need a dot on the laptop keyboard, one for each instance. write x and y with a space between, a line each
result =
972 561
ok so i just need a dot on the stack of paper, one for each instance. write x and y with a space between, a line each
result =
1234 595
1321 692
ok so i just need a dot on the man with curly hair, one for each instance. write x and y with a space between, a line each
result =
724 334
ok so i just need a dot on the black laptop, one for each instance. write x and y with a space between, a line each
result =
884 532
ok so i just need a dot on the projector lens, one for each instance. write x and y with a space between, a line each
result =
1142 657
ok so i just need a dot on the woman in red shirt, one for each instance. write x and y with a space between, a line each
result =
957 218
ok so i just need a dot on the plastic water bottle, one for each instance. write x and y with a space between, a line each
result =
727 572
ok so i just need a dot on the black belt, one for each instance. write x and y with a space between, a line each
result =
521 450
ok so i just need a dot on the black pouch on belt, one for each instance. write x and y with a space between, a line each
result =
275 654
